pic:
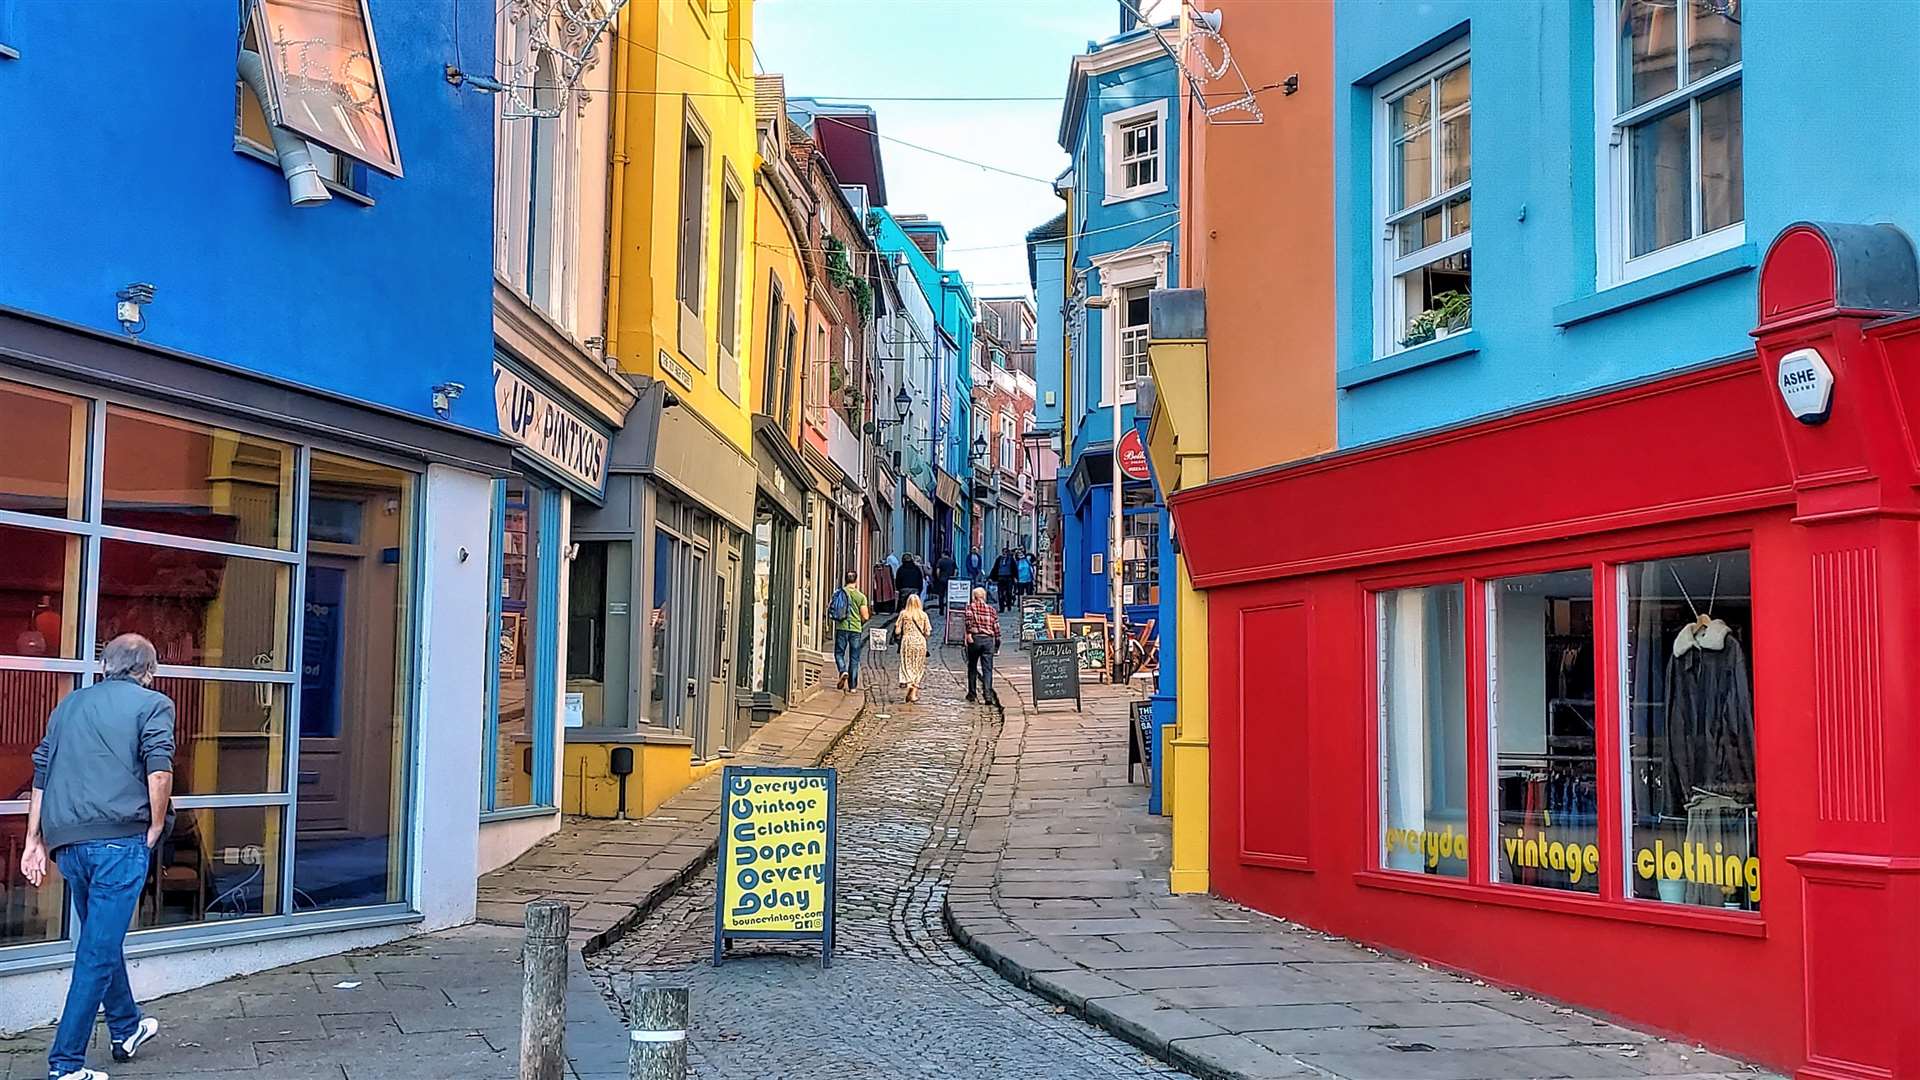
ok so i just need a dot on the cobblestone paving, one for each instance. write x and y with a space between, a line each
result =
902 999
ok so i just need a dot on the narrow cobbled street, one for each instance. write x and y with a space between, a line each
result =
902 999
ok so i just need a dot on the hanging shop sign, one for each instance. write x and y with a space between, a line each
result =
553 433
775 858
1133 456
1806 385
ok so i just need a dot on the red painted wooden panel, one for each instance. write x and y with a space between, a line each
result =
1275 666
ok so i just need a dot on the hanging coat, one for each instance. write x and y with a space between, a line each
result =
1709 733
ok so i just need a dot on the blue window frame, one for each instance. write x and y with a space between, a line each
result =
522 617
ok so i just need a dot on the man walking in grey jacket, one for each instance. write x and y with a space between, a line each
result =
102 779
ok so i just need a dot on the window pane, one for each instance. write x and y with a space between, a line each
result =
1456 144
1456 88
197 608
729 270
520 619
1722 161
188 480
350 847
1413 170
1542 706
26 699
229 737
39 593
344 108
1460 215
30 915
1662 178
1413 111
1688 693
1713 37
43 451
693 179
214 864
1423 730
1437 298
1649 50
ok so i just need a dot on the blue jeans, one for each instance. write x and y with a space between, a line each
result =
104 878
848 647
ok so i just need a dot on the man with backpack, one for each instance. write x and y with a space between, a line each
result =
848 612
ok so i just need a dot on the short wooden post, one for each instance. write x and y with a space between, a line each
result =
657 1036
543 992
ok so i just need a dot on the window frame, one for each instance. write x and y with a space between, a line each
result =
727 323
1145 267
1613 179
690 280
1389 314
283 918
542 665
1476 572
276 114
1114 126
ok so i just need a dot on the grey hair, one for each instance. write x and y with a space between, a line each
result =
130 657
979 592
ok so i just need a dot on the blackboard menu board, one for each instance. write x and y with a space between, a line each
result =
1056 671
1033 615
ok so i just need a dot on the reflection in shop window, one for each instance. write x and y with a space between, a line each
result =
214 864
199 609
1542 707
43 469
39 593
600 631
27 698
1423 729
229 737
1686 627
350 840
28 915
185 479
521 615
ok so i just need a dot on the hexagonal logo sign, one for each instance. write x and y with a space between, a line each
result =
1806 385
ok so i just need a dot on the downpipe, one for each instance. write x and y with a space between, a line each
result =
304 185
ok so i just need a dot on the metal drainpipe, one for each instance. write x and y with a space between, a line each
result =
304 185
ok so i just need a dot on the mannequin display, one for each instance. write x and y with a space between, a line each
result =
1709 773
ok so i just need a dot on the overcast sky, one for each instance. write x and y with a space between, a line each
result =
868 50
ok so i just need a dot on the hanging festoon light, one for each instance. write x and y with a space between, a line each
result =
558 44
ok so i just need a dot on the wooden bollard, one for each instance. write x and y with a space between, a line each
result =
657 1032
543 992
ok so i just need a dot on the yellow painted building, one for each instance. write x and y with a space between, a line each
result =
677 284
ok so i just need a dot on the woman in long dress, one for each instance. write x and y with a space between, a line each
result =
914 629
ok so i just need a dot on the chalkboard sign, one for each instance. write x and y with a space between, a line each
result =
956 632
1091 637
774 871
1056 671
1034 610
1140 740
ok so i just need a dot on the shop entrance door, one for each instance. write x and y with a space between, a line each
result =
720 678
324 663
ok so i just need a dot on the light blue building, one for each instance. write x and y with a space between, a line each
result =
908 361
1605 205
1120 127
954 515
246 372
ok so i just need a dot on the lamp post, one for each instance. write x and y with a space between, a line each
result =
1101 303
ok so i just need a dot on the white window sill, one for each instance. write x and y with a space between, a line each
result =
8 52
1130 194
1677 255
1127 397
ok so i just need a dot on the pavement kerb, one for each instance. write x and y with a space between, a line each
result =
659 893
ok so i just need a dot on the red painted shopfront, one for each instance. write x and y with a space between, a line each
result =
1612 699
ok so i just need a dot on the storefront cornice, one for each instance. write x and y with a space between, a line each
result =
89 356
541 344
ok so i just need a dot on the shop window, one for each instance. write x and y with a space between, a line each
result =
1140 547
599 629
229 737
199 608
350 848
42 471
218 863
1543 721
183 479
1424 147
1669 90
522 712
31 916
39 594
1687 689
1421 635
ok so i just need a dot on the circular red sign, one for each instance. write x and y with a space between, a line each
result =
1133 456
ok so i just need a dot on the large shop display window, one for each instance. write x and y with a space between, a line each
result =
286 651
519 775
1662 715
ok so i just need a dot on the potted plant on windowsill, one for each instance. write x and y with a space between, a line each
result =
1451 312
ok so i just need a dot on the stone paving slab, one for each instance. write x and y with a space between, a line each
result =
1064 892
612 873
455 1014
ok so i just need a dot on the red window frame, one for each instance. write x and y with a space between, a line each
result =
1603 559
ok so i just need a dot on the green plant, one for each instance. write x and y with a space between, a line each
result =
863 299
1450 311
839 268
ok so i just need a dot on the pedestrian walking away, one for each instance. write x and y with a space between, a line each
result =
848 611
943 572
915 629
983 641
102 784
1003 579
910 580
1023 574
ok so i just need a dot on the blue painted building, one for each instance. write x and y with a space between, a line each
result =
954 513
245 367
909 360
1535 216
1120 127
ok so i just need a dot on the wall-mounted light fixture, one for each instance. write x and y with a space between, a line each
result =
444 395
131 307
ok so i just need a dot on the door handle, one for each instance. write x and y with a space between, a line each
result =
693 688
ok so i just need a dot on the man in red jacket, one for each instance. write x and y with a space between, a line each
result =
983 641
